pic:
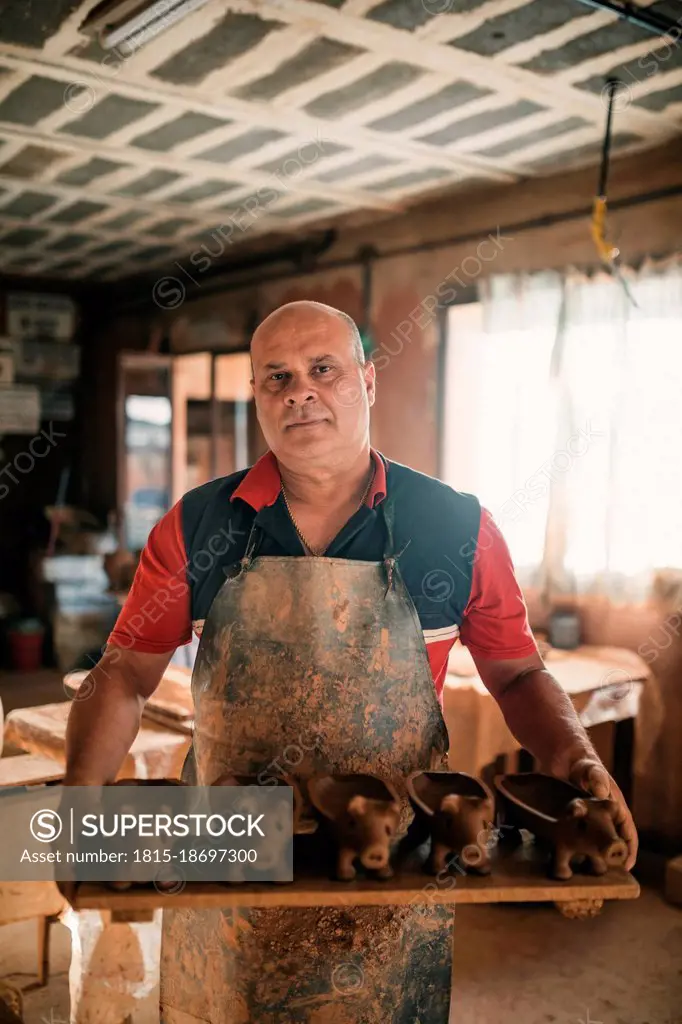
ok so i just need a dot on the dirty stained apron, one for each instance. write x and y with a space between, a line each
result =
308 665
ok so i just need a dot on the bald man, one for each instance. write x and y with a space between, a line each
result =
349 578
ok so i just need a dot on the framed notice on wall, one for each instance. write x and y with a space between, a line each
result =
32 315
19 409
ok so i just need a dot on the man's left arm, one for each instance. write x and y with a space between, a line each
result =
537 710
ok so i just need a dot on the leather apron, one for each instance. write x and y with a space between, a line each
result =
312 664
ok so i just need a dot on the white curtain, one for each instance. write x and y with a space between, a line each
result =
564 416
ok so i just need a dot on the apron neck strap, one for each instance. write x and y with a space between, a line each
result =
388 511
245 561
390 556
252 542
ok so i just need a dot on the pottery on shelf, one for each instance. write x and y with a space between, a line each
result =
148 782
363 813
273 849
230 779
575 823
162 883
456 810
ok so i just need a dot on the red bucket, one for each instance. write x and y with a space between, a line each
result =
26 648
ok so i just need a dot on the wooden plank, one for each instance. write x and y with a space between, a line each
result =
519 877
593 668
156 752
21 901
355 894
29 770
171 701
605 684
583 670
179 725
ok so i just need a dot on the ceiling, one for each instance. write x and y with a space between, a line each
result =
260 116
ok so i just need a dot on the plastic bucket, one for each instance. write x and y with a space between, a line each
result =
26 648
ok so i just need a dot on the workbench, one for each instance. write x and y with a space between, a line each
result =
157 751
170 705
605 685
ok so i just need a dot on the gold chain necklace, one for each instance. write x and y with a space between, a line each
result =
306 544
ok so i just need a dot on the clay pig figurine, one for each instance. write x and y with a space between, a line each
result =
363 813
587 828
569 819
459 827
456 810
273 850
167 879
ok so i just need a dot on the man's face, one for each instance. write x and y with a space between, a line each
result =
312 397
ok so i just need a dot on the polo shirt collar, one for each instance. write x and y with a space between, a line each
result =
262 484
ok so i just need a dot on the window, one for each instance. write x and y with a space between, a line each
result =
564 416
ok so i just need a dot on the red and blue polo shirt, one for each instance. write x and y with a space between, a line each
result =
454 561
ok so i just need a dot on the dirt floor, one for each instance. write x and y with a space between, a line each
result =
513 965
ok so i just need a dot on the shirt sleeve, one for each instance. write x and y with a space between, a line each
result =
495 623
156 616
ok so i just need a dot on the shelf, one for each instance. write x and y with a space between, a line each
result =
517 877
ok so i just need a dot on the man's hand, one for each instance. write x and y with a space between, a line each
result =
591 775
544 721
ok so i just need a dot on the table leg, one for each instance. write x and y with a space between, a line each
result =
114 973
623 752
44 924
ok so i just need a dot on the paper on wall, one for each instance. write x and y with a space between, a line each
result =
19 409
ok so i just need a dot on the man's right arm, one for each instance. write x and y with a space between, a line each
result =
154 621
102 726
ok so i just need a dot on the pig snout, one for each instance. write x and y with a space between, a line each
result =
374 857
616 853
594 832
472 855
370 826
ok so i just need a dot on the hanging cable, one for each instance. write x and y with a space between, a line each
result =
607 253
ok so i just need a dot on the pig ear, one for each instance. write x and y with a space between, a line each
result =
358 805
479 801
451 803
611 806
576 809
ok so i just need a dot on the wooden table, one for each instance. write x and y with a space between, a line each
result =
157 752
29 770
106 952
605 684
